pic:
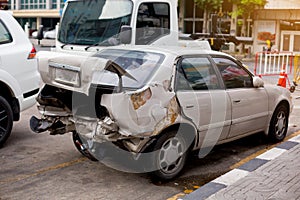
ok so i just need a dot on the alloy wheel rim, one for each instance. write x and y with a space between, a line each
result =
3 121
280 125
171 155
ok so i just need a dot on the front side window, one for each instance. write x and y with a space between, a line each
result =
196 74
153 21
94 22
233 75
5 36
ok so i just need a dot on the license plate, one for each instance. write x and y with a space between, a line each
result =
67 77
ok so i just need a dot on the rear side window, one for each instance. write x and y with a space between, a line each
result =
196 73
5 36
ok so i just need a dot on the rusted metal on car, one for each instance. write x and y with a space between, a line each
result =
173 111
141 98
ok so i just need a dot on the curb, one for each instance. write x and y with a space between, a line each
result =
234 175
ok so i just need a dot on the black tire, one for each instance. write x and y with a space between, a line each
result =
279 124
6 120
79 146
292 89
169 166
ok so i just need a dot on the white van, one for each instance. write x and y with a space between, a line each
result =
19 78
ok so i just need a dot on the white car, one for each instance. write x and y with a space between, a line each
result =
155 104
19 77
51 34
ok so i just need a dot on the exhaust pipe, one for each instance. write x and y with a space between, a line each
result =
42 125
39 125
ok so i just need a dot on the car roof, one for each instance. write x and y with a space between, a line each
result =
173 50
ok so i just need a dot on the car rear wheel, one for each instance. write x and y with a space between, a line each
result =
279 124
81 148
169 155
6 120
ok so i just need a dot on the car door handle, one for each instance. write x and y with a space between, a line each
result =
189 106
237 101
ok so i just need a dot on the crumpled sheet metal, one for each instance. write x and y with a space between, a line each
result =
144 112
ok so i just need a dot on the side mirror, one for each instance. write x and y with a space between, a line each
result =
125 34
257 82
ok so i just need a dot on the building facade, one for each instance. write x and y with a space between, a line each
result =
279 22
37 12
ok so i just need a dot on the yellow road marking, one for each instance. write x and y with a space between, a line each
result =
291 136
177 196
188 191
42 171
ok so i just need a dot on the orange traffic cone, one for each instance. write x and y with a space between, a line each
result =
282 77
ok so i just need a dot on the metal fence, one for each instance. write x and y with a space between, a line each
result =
270 64
278 64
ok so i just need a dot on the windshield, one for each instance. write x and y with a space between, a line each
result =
139 64
89 22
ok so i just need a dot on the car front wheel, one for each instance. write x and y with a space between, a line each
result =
279 123
6 120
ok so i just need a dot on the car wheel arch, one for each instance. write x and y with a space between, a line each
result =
188 128
284 103
6 91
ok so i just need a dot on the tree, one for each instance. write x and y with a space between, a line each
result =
245 8
208 6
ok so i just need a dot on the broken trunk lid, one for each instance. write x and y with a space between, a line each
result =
115 68
75 73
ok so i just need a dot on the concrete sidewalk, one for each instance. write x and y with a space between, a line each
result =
274 174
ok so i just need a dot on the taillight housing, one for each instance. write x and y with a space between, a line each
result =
32 53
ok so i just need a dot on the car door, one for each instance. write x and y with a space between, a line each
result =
249 104
203 99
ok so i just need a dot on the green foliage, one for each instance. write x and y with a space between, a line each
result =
247 6
209 4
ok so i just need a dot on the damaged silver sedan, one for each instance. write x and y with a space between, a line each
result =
155 105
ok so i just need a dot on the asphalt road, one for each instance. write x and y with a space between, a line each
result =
40 166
